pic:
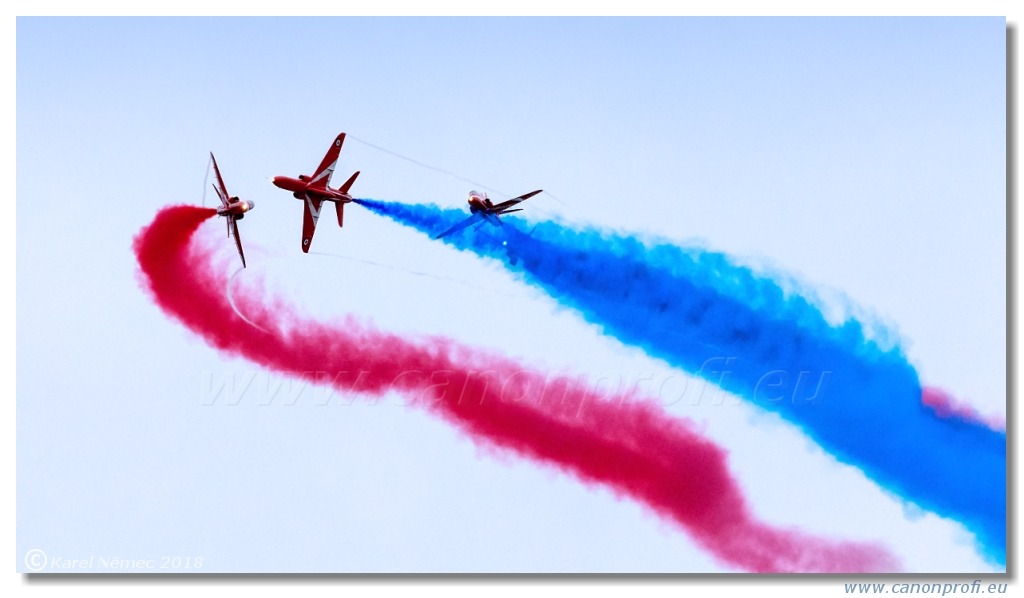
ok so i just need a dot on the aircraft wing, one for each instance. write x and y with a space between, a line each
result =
501 207
322 177
222 191
461 225
310 214
233 222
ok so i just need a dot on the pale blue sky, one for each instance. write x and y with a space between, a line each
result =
866 157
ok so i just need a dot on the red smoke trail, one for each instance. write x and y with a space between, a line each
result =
628 445
945 406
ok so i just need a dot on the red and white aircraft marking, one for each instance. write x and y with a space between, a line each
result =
483 210
314 191
231 208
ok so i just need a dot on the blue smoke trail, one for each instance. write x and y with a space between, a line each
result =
698 310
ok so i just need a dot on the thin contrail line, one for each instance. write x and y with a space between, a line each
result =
410 271
428 166
231 302
206 177
442 171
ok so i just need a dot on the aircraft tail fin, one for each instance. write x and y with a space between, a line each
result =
348 184
341 212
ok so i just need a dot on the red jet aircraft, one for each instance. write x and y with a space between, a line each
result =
313 190
483 210
231 208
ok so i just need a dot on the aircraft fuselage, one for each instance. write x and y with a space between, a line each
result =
300 188
482 206
236 207
479 205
